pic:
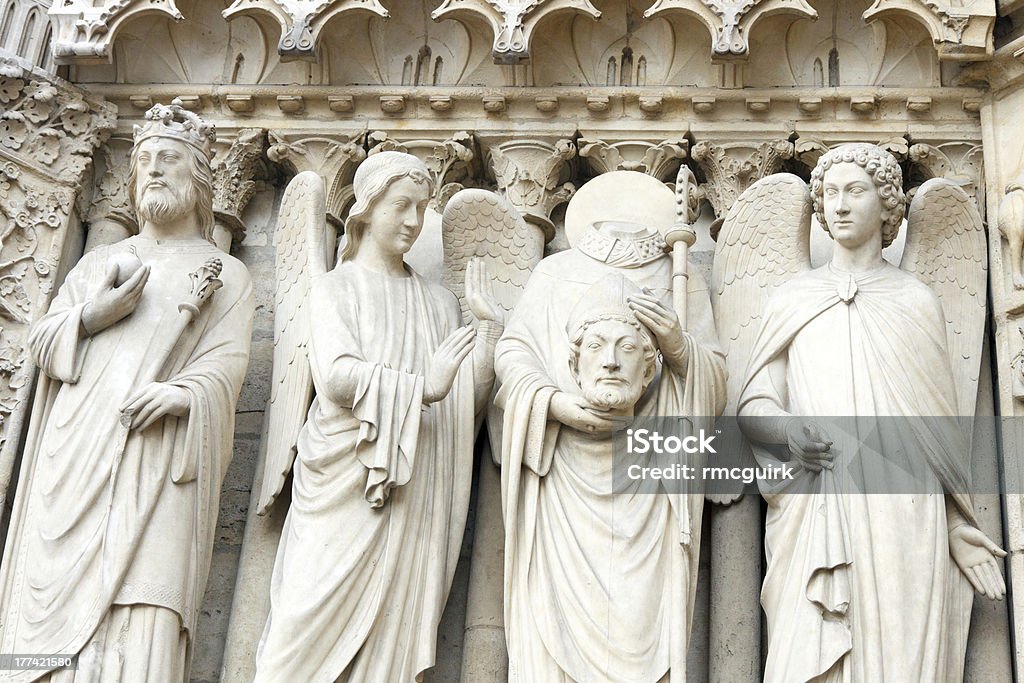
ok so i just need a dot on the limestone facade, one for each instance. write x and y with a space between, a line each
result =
530 99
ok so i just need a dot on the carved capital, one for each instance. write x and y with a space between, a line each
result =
731 21
84 31
299 21
334 158
48 124
534 176
960 30
450 162
234 179
512 21
733 167
660 160
961 162
808 150
107 210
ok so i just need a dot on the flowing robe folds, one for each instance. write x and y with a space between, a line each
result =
597 586
88 534
381 486
862 587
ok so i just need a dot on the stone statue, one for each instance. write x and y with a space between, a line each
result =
115 515
572 611
862 587
383 463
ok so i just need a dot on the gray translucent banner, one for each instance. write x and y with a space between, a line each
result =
846 455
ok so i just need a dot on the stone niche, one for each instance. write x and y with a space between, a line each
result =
530 100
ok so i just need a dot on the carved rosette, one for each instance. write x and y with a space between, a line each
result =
84 32
450 162
731 21
732 168
534 176
300 21
334 158
660 160
234 179
48 133
513 21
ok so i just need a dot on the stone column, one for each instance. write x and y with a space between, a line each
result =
736 524
533 175
47 138
109 217
1003 145
234 185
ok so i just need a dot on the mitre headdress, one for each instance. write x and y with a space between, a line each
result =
606 298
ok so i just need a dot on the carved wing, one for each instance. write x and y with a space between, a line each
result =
946 250
480 223
301 254
764 241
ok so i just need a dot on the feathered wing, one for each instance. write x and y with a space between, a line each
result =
301 254
764 241
479 223
946 250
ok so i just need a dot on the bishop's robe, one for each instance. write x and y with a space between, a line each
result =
381 486
862 587
598 586
92 533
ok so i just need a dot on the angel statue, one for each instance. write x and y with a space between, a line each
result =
383 463
600 586
861 587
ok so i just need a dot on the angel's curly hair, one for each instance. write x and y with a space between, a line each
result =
372 179
884 171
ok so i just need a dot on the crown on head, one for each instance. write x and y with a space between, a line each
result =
174 121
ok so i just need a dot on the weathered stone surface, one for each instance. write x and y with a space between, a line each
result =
616 90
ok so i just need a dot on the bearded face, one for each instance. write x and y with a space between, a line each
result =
164 190
612 366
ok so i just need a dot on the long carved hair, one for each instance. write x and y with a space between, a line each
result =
202 185
372 179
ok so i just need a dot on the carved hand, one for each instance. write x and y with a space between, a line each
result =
664 323
156 400
112 303
809 444
976 554
574 411
445 363
480 292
